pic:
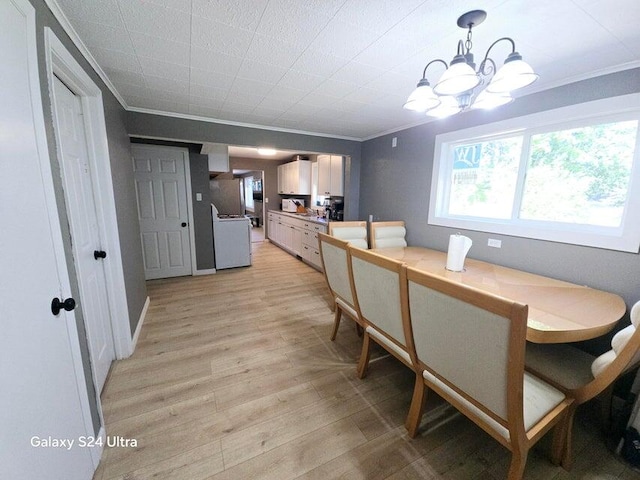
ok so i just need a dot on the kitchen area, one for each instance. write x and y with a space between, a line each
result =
311 189
237 197
306 192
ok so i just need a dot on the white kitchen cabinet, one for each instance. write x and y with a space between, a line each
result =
281 178
294 178
330 175
286 240
310 244
297 236
272 221
296 240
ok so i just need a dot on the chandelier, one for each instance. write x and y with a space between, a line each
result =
462 87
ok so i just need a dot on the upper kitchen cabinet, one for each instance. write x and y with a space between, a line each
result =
330 175
294 178
218 156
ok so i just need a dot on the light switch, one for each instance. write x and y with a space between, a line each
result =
394 142
198 197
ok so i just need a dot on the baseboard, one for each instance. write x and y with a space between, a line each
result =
136 334
209 271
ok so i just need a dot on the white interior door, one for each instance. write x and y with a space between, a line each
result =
42 389
79 195
162 209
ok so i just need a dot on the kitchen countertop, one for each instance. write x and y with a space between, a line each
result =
303 216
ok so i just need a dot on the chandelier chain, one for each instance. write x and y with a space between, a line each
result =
468 44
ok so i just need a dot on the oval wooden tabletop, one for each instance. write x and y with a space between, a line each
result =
558 311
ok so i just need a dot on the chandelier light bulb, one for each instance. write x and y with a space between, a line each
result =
487 100
458 78
422 98
514 74
448 106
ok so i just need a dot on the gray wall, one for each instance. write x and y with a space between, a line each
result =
124 193
158 126
395 184
203 229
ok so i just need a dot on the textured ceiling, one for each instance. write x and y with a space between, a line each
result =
336 67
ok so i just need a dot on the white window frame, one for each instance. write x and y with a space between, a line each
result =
624 238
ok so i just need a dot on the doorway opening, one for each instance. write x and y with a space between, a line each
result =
254 202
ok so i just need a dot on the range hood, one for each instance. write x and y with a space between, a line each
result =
218 156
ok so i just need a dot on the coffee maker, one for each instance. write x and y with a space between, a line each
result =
336 210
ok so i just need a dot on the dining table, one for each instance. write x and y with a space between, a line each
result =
559 311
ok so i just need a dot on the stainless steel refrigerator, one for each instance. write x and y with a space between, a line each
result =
228 196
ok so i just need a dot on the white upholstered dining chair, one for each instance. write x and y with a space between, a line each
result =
583 376
468 346
336 258
388 234
380 297
354 232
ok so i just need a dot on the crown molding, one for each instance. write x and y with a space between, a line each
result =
186 116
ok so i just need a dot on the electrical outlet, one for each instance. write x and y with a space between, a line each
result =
492 242
198 197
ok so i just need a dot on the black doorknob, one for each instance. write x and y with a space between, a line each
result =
57 305
99 254
184 224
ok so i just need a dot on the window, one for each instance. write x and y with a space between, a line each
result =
248 193
570 182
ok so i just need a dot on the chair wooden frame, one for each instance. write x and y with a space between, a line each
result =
378 225
354 223
339 302
398 268
333 226
602 384
519 440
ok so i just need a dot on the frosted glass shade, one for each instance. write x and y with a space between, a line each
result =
422 99
487 100
458 78
448 106
513 75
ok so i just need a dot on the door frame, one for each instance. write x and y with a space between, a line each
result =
44 160
189 193
60 62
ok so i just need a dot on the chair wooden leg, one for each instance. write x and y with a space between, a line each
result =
559 440
363 364
567 458
606 399
518 462
359 329
336 322
418 402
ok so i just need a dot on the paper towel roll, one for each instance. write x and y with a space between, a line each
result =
459 246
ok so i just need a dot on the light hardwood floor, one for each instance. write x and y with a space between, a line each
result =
234 377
